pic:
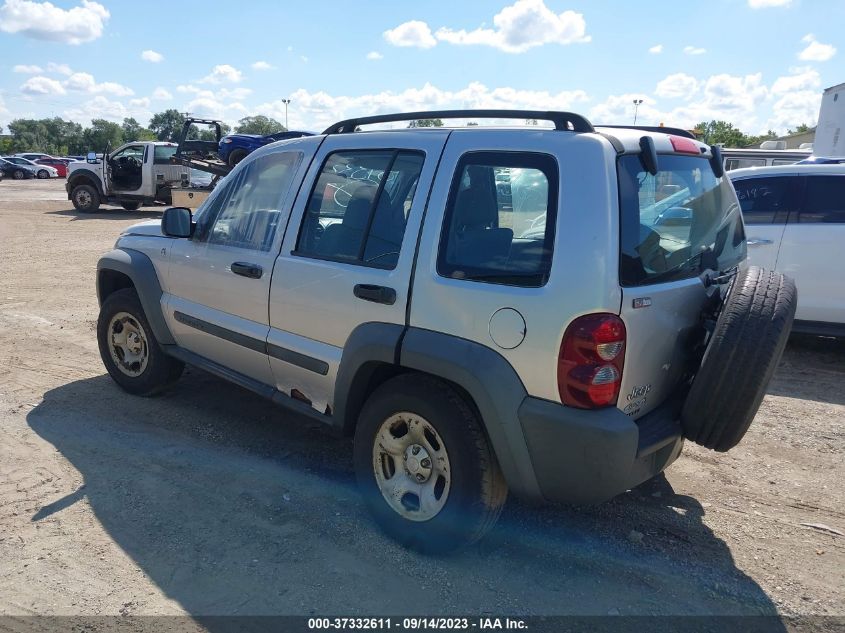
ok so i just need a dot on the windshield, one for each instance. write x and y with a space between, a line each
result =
677 223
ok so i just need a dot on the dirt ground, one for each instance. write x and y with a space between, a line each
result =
208 500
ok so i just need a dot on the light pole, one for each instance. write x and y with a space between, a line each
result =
286 102
637 103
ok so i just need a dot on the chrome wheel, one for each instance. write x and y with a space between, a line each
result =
128 344
43 174
411 466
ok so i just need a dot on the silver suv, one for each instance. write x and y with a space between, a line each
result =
548 311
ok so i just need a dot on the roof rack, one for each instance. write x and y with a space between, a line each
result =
565 121
652 128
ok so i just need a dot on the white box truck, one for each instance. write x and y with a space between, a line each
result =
830 139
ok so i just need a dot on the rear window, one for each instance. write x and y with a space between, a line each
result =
677 223
163 154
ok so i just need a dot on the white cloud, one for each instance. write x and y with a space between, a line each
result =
795 108
414 33
45 21
816 51
765 4
374 55
101 108
262 65
84 82
521 26
161 94
692 50
303 58
222 73
656 49
59 69
800 79
316 110
619 110
143 102
41 85
27 70
677 85
152 56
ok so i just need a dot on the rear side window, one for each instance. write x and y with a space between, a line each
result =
766 200
499 225
740 163
677 223
359 207
162 154
824 201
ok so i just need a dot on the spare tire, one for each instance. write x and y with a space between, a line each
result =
741 356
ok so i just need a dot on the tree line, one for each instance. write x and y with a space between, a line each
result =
67 138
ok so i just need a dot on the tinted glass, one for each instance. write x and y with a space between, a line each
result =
677 223
359 206
739 163
246 214
500 219
765 200
162 154
824 200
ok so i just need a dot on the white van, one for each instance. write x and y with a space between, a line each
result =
741 158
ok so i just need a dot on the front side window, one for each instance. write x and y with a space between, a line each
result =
824 201
359 206
246 213
677 223
500 219
765 200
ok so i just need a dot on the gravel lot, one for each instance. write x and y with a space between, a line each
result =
209 500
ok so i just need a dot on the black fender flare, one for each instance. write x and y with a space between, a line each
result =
140 270
85 175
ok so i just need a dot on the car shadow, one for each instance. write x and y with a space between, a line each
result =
232 506
112 213
812 368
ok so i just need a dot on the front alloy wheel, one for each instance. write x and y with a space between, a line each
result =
128 344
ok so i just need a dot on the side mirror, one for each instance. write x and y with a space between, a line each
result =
176 222
716 161
92 157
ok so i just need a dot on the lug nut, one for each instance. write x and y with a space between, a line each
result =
425 463
415 449
420 477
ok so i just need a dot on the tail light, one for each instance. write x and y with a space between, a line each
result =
589 367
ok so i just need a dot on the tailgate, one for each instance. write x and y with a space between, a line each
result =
661 335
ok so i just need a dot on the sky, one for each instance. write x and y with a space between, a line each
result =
759 64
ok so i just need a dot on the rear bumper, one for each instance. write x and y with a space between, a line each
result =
581 456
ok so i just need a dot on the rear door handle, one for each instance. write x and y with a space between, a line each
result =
376 294
757 241
244 269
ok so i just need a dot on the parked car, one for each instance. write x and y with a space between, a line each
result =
41 171
235 147
33 155
17 172
795 221
741 158
560 350
59 164
821 160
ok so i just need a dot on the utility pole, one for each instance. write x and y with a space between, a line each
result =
286 102
637 103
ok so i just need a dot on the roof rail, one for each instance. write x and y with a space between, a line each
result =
566 121
653 128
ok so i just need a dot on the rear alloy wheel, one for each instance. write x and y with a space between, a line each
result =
18 174
424 465
43 173
85 198
741 358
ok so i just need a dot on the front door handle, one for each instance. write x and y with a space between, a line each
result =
757 241
244 269
376 294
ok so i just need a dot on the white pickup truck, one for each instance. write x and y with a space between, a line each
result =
135 173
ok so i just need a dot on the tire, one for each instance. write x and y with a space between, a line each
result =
43 173
237 156
130 206
472 488
85 198
18 174
145 370
743 353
